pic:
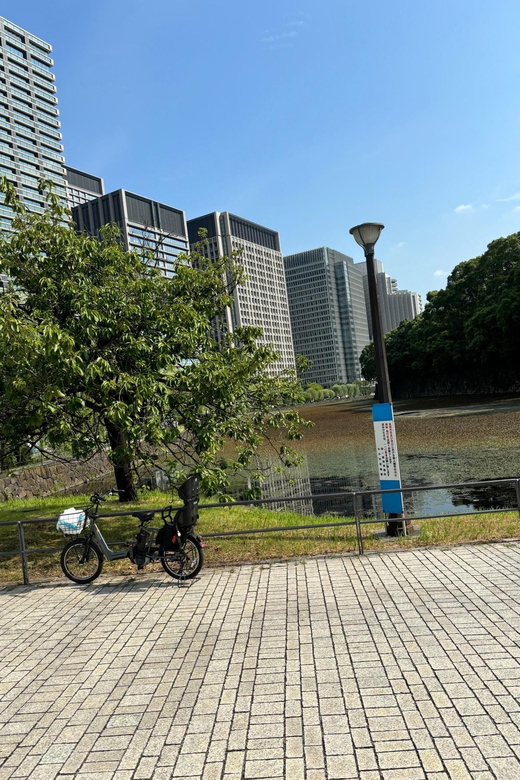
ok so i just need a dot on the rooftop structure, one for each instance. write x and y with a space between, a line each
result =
82 187
144 224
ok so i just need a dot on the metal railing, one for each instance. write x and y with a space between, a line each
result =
358 521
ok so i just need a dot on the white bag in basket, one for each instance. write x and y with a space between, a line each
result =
71 521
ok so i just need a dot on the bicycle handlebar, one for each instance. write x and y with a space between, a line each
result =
97 498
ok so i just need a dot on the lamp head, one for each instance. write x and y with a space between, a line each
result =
366 234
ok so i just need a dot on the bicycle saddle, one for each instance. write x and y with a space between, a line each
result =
144 516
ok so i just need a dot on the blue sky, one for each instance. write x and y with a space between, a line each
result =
308 117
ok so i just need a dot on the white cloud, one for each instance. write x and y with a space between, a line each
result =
282 38
398 246
441 273
463 207
485 205
516 210
516 196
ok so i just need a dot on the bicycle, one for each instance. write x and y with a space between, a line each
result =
175 545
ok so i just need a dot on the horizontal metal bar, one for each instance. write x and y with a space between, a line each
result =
286 499
374 521
449 514
351 493
249 532
34 521
419 488
273 529
277 528
32 550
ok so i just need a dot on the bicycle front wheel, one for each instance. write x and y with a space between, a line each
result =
81 561
185 563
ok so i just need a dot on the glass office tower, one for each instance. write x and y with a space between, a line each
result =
30 137
328 314
262 300
395 305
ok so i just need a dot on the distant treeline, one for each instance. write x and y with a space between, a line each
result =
467 340
315 392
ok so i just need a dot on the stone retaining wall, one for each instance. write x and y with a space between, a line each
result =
51 477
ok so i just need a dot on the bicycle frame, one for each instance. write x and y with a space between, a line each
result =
95 535
110 555
181 557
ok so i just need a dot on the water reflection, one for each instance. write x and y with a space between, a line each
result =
289 483
354 469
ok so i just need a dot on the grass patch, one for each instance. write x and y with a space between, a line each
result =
237 549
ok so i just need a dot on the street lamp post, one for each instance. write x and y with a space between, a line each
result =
366 235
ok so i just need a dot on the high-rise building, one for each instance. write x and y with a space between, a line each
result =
144 224
82 187
30 137
395 305
262 300
403 305
328 314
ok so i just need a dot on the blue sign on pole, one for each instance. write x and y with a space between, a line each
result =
387 457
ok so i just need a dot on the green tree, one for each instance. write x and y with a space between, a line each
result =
367 363
314 392
97 347
340 390
468 331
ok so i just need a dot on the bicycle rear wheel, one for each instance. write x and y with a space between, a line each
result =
185 563
79 563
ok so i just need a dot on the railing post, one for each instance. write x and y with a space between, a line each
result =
358 524
23 553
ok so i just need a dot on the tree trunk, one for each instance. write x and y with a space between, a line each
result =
122 463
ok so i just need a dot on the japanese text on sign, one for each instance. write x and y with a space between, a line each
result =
387 459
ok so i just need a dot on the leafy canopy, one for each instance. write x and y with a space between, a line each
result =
468 329
98 347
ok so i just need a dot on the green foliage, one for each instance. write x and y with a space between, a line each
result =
315 392
469 328
97 346
340 390
359 387
367 363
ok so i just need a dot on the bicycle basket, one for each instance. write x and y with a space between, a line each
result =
71 521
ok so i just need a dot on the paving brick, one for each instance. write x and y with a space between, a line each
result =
394 667
264 768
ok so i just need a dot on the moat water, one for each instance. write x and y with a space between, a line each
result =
332 466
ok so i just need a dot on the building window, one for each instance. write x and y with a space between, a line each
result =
15 50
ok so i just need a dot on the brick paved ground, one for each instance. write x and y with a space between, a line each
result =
398 666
